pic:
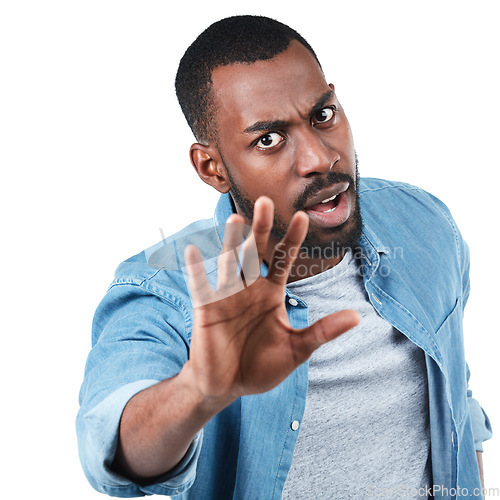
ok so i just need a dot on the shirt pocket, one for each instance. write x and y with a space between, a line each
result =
449 338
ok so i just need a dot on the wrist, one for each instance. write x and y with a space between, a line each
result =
207 405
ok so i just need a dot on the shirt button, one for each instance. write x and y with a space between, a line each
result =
295 425
292 302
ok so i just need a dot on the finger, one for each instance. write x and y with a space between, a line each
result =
254 248
250 261
198 284
287 249
227 262
306 340
262 224
233 232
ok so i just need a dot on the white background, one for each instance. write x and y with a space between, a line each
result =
94 160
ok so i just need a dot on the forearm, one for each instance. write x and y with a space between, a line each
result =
479 455
159 424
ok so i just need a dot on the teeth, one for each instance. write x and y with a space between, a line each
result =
328 211
329 199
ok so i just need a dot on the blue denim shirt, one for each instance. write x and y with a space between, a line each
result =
415 269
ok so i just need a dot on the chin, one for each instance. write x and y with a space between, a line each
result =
336 242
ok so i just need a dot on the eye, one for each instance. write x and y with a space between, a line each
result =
269 140
325 115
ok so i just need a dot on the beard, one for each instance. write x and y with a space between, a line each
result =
338 240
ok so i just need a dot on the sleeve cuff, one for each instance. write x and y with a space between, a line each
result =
98 431
481 426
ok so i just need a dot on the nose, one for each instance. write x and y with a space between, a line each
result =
313 155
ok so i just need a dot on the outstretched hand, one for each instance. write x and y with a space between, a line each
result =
242 342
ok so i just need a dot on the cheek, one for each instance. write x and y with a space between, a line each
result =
347 138
274 189
261 177
264 175
283 203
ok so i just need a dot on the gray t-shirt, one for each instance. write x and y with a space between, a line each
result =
365 430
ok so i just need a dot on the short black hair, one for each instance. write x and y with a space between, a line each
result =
237 39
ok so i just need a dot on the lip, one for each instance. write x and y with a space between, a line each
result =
332 219
326 193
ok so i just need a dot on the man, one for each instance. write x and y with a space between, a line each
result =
214 378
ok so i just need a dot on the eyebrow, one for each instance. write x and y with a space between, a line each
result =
320 104
266 125
276 124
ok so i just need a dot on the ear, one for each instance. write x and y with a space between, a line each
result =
208 164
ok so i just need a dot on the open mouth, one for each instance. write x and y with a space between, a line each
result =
330 208
325 206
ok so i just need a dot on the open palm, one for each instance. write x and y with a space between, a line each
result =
242 342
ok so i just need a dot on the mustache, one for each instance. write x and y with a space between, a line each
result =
320 183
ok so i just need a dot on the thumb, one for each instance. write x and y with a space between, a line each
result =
306 340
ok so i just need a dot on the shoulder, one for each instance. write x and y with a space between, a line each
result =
160 269
375 190
400 205
154 281
405 216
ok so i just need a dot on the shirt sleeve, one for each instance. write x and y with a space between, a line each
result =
139 339
481 426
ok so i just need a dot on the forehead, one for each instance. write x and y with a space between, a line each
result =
284 87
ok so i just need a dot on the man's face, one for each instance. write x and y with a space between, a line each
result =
282 133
